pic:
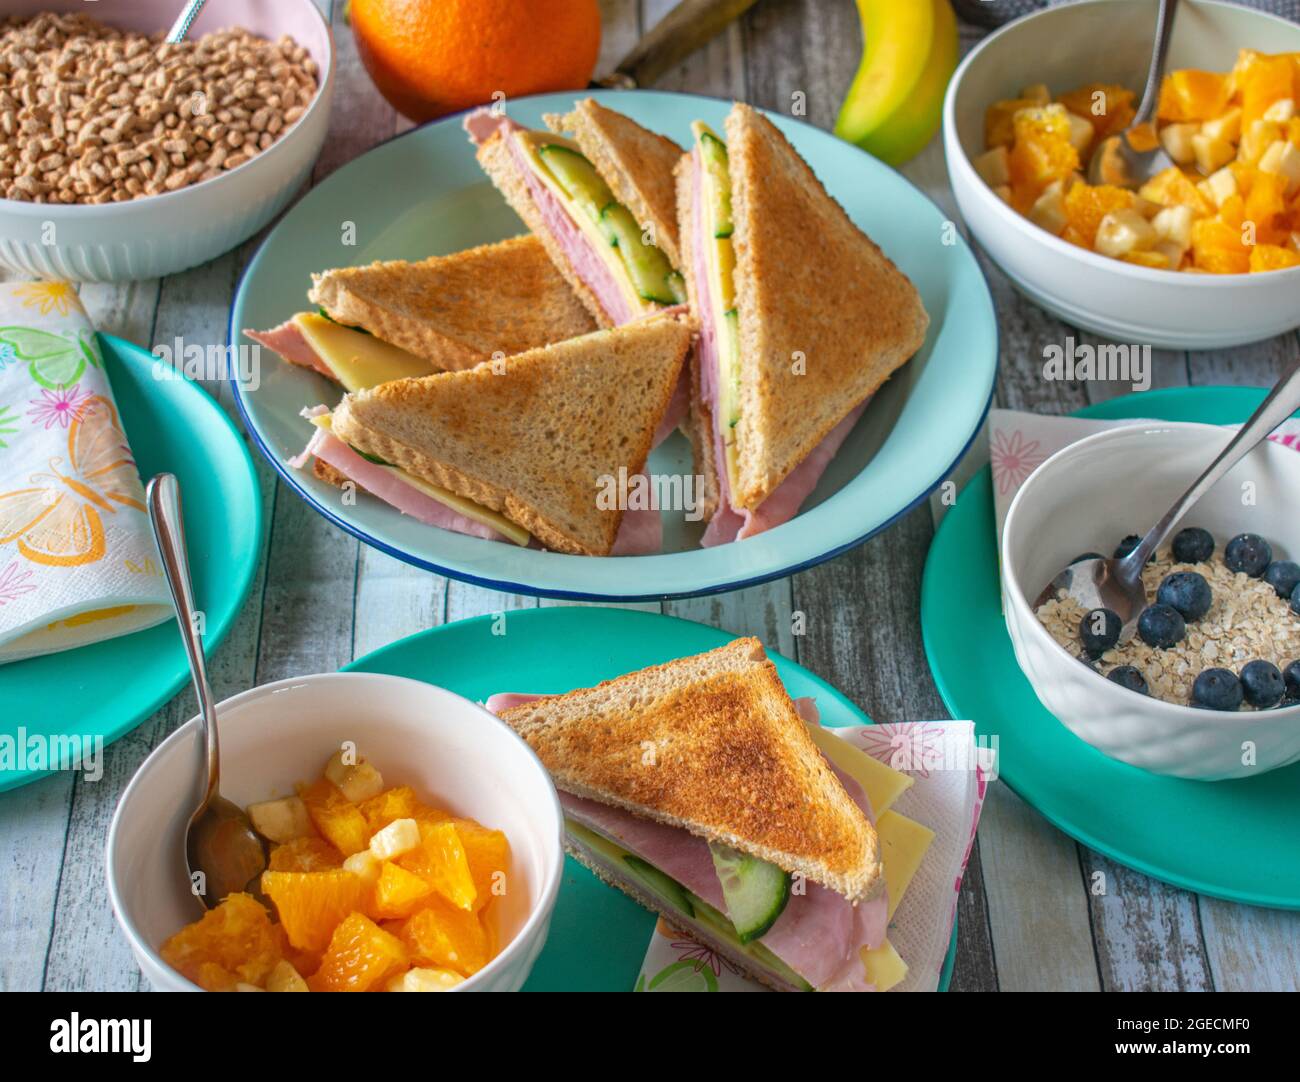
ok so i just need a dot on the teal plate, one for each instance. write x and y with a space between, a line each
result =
423 194
1228 839
107 689
598 935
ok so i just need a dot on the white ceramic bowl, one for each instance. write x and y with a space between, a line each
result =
1084 498
446 747
162 234
1110 41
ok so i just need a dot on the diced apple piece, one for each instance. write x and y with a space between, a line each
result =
1171 251
1037 92
284 978
1211 153
425 980
1227 126
1146 207
1177 141
1256 139
357 781
400 836
364 865
1283 159
1174 225
1219 187
1081 132
1123 231
1003 192
281 821
1048 211
994 167
1281 110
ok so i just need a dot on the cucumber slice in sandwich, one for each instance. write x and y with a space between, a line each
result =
665 886
714 151
755 891
647 266
577 176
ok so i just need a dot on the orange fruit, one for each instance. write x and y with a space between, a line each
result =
396 892
1264 257
1114 105
440 860
305 855
488 854
336 817
438 934
1193 95
999 129
311 904
1172 187
1086 205
1266 80
433 57
233 942
1217 248
398 803
360 956
1042 151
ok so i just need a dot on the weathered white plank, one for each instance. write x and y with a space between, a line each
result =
1250 949
717 69
765 611
394 600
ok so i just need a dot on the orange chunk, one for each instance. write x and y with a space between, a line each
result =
488 854
1193 95
1217 248
440 860
1267 79
1153 260
311 904
305 855
335 817
1042 151
396 892
1106 106
1172 187
1233 212
233 942
1086 205
1266 257
1143 137
360 956
398 803
439 934
999 130
1075 237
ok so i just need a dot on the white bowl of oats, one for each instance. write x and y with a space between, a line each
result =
1200 692
123 158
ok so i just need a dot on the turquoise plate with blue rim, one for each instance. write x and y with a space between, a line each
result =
598 935
1228 839
107 689
423 194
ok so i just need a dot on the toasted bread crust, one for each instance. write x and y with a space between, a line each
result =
327 473
458 310
499 164
810 282
534 437
636 164
732 762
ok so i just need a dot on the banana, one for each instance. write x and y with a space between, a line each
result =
895 103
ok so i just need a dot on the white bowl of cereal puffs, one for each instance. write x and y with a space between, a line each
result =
1092 496
1197 262
122 159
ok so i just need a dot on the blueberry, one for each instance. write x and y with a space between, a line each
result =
1126 676
1248 553
1086 556
1099 630
1295 600
1128 545
1161 626
1193 545
1283 576
1291 675
1187 592
1217 689
1262 683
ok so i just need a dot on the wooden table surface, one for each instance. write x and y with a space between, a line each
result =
1038 911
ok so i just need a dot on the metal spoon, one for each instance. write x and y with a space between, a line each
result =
1116 584
184 21
222 851
1115 161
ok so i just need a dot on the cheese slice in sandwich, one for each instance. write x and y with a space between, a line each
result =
601 203
695 787
396 319
540 438
802 319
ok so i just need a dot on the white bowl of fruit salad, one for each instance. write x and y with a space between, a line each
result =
1209 686
1207 255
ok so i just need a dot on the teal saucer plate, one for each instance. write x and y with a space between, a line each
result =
598 935
1228 839
423 194
105 690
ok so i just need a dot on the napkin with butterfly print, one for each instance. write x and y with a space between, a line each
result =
78 563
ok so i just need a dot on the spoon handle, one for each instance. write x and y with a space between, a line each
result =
1282 401
184 21
164 499
1159 51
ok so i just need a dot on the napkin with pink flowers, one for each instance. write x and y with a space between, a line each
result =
78 563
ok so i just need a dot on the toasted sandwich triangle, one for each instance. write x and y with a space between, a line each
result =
537 436
713 745
824 316
636 164
458 310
